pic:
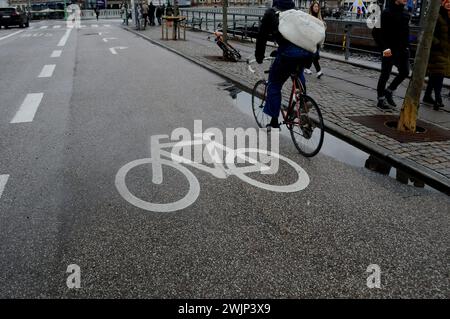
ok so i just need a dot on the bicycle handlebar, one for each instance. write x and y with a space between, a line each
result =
254 60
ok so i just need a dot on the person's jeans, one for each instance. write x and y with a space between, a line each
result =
286 63
435 83
316 63
401 61
145 17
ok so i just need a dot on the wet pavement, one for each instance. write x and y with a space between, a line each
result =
347 91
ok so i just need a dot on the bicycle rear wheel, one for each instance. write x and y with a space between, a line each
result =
258 100
307 128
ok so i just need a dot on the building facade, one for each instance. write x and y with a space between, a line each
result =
232 3
59 4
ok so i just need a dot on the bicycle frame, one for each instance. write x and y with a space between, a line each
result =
218 170
296 92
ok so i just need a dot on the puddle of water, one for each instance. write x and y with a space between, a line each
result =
332 146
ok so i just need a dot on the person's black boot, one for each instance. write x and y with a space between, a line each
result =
389 98
382 105
428 99
438 105
273 123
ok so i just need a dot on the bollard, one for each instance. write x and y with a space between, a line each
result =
245 31
347 30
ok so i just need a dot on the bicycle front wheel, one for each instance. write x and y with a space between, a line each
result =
307 128
259 94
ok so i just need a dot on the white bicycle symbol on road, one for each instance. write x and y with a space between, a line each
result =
160 158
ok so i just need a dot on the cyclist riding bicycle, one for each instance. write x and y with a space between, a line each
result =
289 58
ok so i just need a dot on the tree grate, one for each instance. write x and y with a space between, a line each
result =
386 125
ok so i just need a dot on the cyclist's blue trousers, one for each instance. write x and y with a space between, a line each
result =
281 69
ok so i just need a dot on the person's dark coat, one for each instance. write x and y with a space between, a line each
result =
395 29
151 9
439 63
159 12
169 10
268 30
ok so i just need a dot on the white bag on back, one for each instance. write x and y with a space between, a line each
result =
301 29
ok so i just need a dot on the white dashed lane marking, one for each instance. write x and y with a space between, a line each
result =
56 54
63 40
28 108
3 181
47 71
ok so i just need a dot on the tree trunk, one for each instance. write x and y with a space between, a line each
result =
408 114
225 20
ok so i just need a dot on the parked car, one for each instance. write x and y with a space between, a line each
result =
13 17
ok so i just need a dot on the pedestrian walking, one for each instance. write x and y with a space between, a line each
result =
145 10
159 13
138 15
97 12
393 40
124 13
439 63
151 13
314 10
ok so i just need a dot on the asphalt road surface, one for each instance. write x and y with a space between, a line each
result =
77 105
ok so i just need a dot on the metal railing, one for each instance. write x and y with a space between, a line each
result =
241 18
104 14
239 21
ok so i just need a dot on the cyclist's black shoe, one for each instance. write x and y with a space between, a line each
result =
390 99
273 123
382 105
428 99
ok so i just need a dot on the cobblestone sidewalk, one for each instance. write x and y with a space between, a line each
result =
431 160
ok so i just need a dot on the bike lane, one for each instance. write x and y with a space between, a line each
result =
235 240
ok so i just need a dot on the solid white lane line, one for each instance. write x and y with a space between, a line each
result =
43 27
3 181
56 54
63 40
56 26
28 108
47 71
10 35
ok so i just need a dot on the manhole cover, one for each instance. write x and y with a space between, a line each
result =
387 124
